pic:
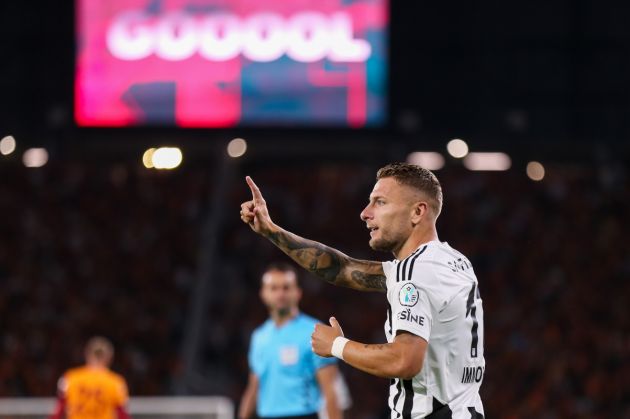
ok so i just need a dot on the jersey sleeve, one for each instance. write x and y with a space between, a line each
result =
320 361
252 357
411 310
412 294
121 393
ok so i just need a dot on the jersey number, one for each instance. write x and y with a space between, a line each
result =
472 311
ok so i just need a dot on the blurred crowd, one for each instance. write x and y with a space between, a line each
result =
114 251
90 250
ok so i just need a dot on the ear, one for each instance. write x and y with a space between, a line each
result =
420 210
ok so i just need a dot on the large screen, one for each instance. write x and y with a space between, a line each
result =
225 63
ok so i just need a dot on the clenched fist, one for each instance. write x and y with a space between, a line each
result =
323 337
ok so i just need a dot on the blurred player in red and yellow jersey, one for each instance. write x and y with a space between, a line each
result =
93 391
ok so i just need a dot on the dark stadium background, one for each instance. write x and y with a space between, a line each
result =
159 261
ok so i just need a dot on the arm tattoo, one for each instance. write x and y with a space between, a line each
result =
370 281
315 257
378 346
330 264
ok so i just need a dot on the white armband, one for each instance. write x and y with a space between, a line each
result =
337 348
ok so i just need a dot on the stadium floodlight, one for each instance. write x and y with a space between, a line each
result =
487 161
167 158
147 158
457 148
7 145
35 157
237 147
535 171
430 160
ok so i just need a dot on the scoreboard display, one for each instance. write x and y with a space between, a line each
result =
227 63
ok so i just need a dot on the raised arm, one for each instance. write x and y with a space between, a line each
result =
329 264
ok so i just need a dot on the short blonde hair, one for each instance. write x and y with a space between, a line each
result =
100 348
417 177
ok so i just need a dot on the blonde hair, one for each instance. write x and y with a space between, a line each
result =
100 348
417 177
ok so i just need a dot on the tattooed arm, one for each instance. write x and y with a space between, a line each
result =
403 358
330 264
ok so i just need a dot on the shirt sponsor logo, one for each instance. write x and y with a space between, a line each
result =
409 295
408 316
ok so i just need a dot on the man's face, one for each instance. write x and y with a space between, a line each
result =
389 213
280 291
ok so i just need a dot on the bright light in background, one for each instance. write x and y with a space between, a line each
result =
167 158
35 157
147 158
535 171
7 145
237 147
427 159
457 148
487 161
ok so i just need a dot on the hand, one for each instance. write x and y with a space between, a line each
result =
323 337
254 212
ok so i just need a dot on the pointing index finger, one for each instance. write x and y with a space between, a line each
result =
255 191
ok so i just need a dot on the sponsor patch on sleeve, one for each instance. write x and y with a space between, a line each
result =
409 295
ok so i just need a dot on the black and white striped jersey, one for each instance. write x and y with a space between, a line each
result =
434 294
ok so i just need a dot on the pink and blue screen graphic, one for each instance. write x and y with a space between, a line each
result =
226 63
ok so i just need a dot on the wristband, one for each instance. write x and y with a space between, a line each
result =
337 347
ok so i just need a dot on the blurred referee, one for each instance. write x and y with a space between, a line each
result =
287 380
